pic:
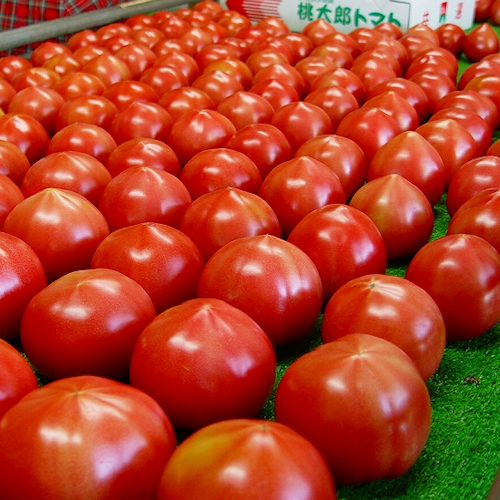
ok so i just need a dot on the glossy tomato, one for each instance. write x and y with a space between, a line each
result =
278 93
121 94
10 196
228 371
392 308
451 37
481 41
78 84
273 460
184 100
271 280
62 227
362 402
472 305
85 322
98 422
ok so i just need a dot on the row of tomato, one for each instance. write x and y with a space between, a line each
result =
183 193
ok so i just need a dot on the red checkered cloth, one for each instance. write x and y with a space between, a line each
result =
15 14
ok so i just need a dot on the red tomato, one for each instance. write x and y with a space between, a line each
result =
100 422
181 61
163 78
344 40
63 64
7 92
342 155
479 216
271 457
300 121
214 52
261 59
16 377
374 71
435 85
61 226
141 152
72 170
78 84
218 85
85 54
121 94
472 305
391 308
482 10
221 216
452 141
26 133
84 138
362 402
144 194
299 186
46 50
317 30
37 76
285 73
343 243
341 77
271 280
163 260
83 38
495 13
199 130
370 128
22 276
219 168
234 67
109 30
426 169
108 68
364 36
488 85
481 41
470 179
264 144
312 66
401 212
484 67
208 7
10 66
10 196
178 102
228 372
278 93
336 53
434 60
85 322
140 119
451 37
423 30
41 103
13 162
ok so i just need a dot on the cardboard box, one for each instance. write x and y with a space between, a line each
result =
347 15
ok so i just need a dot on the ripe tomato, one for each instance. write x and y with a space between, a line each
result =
273 461
13 162
61 226
336 53
77 84
184 100
181 61
277 93
228 373
472 305
391 308
163 78
218 85
271 280
362 402
108 68
37 76
343 243
285 73
122 94
137 57
311 67
85 322
219 168
162 259
317 30
144 194
7 92
451 37
97 421
299 186
481 41
221 216
10 66
435 85
10 196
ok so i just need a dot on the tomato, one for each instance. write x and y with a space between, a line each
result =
344 40
77 84
451 37
434 60
362 402
364 36
311 67
435 85
393 46
317 30
208 7
218 85
16 377
426 169
181 61
495 13
229 374
218 168
121 94
221 216
452 141
487 85
264 144
144 194
37 76
343 78
391 308
163 78
199 130
10 196
271 280
109 30
26 133
479 216
401 212
98 422
273 25
245 108
63 64
83 38
93 109
374 71
184 100
278 44
299 186
86 53
336 53
471 178
482 10
214 52
370 128
278 93
300 121
343 243
273 461
148 36
261 59
46 50
484 67
140 119
285 73
138 21
11 66
13 162
61 226
234 67
70 170
41 103
196 38
21 277
481 41
7 92
85 138
425 31
141 152
342 155
164 261
108 68
472 305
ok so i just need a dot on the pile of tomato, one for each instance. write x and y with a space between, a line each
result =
184 193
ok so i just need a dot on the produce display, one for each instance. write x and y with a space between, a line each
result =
242 262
